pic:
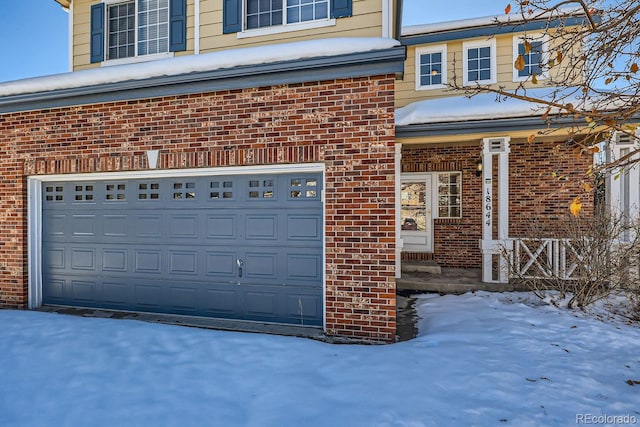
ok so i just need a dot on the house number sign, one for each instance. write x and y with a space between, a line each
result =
488 202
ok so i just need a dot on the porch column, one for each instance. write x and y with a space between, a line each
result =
495 241
398 176
623 184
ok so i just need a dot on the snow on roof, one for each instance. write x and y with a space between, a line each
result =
483 21
484 106
198 63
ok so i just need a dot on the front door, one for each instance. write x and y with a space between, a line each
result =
416 213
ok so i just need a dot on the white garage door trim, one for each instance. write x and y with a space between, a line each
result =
34 209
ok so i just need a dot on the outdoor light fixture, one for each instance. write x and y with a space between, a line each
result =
479 166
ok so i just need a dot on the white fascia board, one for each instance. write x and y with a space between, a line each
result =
168 173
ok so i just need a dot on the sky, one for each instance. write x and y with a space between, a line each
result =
37 31
480 359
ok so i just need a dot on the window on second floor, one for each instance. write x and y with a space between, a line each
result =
268 13
479 62
534 53
129 29
431 67
136 28
255 17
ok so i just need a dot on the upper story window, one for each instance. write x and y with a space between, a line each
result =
137 28
126 30
431 67
269 13
534 50
258 17
479 62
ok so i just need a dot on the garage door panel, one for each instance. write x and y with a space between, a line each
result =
237 247
114 225
183 262
54 258
148 225
306 308
305 227
115 260
54 224
148 261
83 291
183 226
83 225
222 226
148 296
221 302
221 264
54 291
304 268
260 305
83 259
116 293
183 299
261 227
260 265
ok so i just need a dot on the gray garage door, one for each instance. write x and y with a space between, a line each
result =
237 247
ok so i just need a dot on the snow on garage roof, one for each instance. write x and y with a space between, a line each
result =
198 63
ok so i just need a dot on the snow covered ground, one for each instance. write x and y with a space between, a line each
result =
480 360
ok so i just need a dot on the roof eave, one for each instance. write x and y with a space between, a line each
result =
478 126
64 3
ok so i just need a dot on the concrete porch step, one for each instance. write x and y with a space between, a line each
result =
430 267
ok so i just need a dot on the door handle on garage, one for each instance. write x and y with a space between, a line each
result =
240 264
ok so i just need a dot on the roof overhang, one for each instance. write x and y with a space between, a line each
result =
352 65
492 30
532 123
64 3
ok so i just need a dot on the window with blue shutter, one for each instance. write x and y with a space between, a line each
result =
177 25
97 32
134 28
280 13
341 8
231 16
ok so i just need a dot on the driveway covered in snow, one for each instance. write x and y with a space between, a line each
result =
480 359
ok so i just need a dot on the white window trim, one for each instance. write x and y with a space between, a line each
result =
442 48
545 54
136 59
491 43
132 59
284 27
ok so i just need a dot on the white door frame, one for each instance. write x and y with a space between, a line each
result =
420 241
34 209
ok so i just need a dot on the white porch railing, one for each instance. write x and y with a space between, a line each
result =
545 258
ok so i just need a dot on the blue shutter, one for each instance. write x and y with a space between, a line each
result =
97 32
341 8
177 25
231 16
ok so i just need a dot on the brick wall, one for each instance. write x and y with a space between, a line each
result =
544 177
347 124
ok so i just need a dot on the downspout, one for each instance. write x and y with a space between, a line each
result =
398 21
196 29
69 10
